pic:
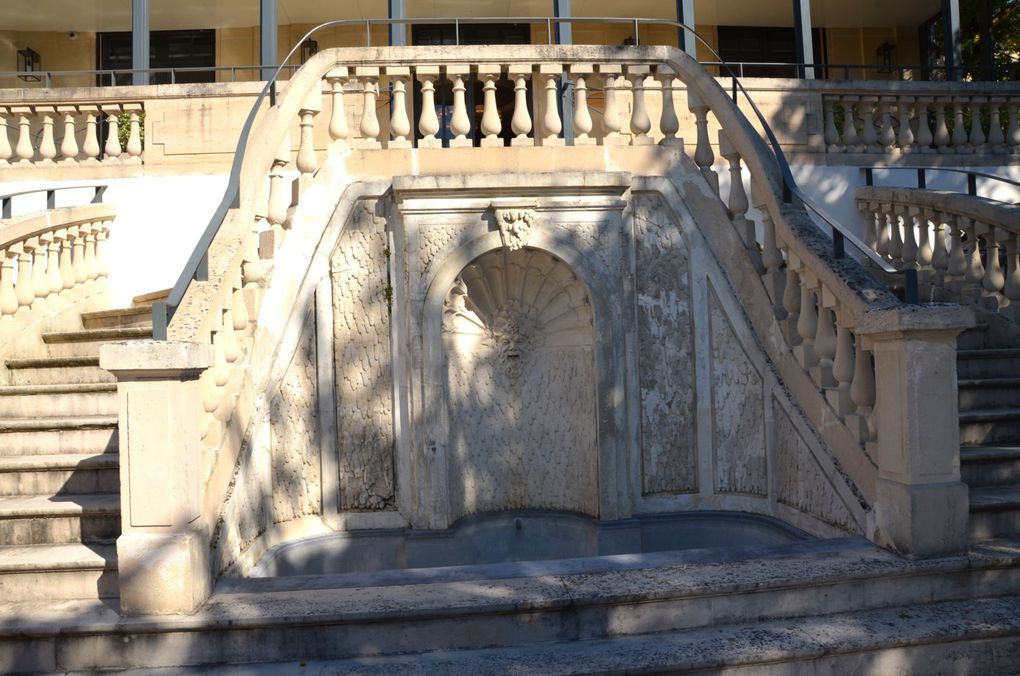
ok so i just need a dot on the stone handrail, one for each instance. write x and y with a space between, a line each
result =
48 253
28 137
923 118
836 319
947 233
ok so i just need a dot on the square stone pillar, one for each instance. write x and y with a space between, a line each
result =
921 506
162 553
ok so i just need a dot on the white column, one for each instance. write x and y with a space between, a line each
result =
802 34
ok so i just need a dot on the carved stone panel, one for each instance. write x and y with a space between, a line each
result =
518 342
295 434
665 357
364 395
802 483
738 424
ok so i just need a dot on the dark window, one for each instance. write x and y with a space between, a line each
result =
167 49
763 45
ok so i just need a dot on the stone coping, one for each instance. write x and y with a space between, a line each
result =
846 561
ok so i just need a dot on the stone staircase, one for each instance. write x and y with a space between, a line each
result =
59 468
989 390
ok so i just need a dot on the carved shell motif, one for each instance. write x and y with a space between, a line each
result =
513 302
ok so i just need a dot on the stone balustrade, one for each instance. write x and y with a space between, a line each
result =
922 122
967 245
49 255
70 134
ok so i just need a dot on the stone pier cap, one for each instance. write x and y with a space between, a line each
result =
155 359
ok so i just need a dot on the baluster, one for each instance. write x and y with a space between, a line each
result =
400 125
977 133
959 137
102 233
428 123
24 149
884 228
909 251
825 344
8 297
369 76
832 139
895 234
339 131
91 265
924 250
669 123
996 139
772 259
850 138
611 109
209 428
6 152
807 327
941 130
582 116
924 137
460 124
868 134
40 283
551 124
112 149
886 137
958 254
68 144
220 369
871 213
940 254
791 303
251 267
491 124
862 389
905 139
134 144
640 124
306 162
738 203
91 145
994 279
238 308
23 287
520 123
53 276
231 345
279 197
1011 288
66 237
975 268
703 155
47 145
1013 127
843 371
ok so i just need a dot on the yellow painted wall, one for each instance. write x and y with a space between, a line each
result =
56 51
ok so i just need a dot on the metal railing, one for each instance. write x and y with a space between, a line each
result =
868 174
197 266
6 201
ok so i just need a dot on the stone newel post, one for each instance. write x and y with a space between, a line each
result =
921 506
162 552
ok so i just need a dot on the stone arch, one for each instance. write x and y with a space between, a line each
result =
606 346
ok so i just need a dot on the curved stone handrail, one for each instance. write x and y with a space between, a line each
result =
946 232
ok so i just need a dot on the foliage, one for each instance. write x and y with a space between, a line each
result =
124 128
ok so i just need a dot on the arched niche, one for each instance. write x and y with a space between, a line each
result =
518 350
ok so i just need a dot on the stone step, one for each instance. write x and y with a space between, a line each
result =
990 465
536 605
59 474
85 435
86 343
975 338
994 512
989 393
995 363
76 399
147 299
58 572
989 426
140 316
40 519
58 371
933 640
